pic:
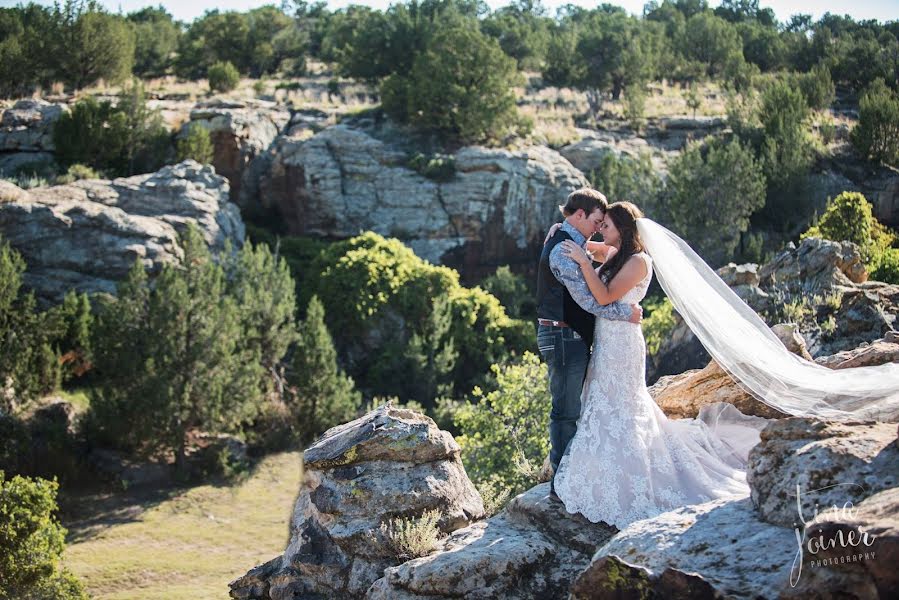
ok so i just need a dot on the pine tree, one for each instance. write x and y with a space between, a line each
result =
432 355
265 292
180 344
323 395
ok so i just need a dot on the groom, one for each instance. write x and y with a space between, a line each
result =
566 312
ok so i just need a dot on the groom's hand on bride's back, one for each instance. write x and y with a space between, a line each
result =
636 314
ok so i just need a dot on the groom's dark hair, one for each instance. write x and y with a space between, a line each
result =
585 199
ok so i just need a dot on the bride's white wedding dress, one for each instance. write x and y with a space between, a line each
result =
628 461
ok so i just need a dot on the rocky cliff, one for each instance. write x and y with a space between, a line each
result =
26 133
395 462
86 235
494 209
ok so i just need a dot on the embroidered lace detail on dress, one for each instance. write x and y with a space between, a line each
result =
628 461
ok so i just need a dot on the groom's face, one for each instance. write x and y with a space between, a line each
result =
589 224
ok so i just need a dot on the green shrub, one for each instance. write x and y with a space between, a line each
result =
380 295
121 139
711 192
30 356
885 266
196 145
622 177
786 150
461 85
849 217
658 323
410 538
876 137
439 167
321 395
817 87
635 107
512 291
223 76
692 99
507 427
185 352
32 542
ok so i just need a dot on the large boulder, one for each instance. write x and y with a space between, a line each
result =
86 235
26 133
683 395
239 133
532 549
495 208
389 463
803 463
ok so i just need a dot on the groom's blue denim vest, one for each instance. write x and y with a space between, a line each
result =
553 300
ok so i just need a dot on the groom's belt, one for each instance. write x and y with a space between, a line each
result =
550 323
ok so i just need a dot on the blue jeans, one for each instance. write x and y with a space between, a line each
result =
566 356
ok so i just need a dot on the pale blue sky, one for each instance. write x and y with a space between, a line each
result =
882 10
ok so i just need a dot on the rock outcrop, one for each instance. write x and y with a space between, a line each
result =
390 463
26 133
532 549
239 133
86 235
663 139
832 463
496 208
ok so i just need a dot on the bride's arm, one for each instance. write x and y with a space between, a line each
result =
630 275
601 252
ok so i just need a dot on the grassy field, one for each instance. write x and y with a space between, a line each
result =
186 543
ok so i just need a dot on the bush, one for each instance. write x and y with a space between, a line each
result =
504 432
635 107
223 77
410 538
196 145
460 86
786 150
32 542
658 323
876 137
439 167
711 192
29 358
622 177
885 266
124 139
181 354
849 217
817 87
512 291
321 395
380 295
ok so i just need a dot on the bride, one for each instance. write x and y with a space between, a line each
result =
628 461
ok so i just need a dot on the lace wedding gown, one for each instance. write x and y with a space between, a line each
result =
628 461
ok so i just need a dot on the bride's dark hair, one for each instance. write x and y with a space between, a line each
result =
624 215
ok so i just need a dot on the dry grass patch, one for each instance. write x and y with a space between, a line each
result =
190 545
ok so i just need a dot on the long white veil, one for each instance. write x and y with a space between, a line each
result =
751 354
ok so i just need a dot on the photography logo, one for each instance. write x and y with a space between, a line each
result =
846 544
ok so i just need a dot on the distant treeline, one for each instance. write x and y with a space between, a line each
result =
604 50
